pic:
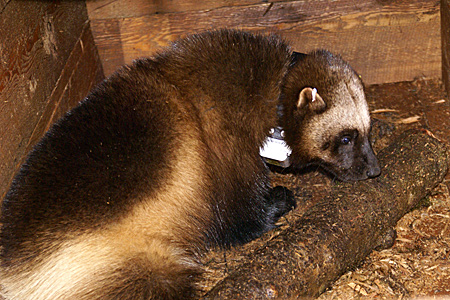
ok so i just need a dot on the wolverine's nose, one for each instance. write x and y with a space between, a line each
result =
374 171
373 166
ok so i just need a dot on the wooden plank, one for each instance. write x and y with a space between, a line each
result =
401 47
445 43
81 72
107 9
107 35
37 39
85 75
385 43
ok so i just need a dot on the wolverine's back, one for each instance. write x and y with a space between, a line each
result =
157 163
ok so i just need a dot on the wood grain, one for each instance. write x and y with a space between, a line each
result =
445 43
38 37
107 9
386 41
81 72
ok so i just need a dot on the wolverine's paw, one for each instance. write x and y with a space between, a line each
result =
280 200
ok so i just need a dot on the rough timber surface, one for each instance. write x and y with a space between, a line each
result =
417 264
445 43
48 62
385 41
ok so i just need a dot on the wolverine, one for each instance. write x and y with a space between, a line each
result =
160 163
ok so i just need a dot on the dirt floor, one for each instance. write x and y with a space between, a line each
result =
418 265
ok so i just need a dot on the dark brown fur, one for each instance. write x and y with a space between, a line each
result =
159 163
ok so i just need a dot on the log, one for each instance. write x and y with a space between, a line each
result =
341 230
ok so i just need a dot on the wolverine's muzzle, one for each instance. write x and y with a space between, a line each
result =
365 165
359 163
372 165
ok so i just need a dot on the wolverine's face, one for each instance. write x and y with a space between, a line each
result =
335 133
349 156
326 117
340 136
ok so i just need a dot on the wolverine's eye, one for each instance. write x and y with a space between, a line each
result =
345 140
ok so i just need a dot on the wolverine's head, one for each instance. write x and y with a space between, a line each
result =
326 117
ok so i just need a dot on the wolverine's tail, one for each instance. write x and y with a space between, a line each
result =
94 270
139 278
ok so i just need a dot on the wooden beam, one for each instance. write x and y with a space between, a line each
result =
107 9
81 72
445 43
41 56
390 42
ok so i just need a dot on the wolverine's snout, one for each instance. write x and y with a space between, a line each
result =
362 164
373 166
374 169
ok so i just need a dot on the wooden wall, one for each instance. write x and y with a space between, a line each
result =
48 62
48 59
445 43
385 40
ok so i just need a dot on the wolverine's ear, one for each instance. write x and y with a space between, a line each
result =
310 98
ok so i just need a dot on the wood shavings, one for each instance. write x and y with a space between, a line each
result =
439 101
410 120
383 110
358 288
